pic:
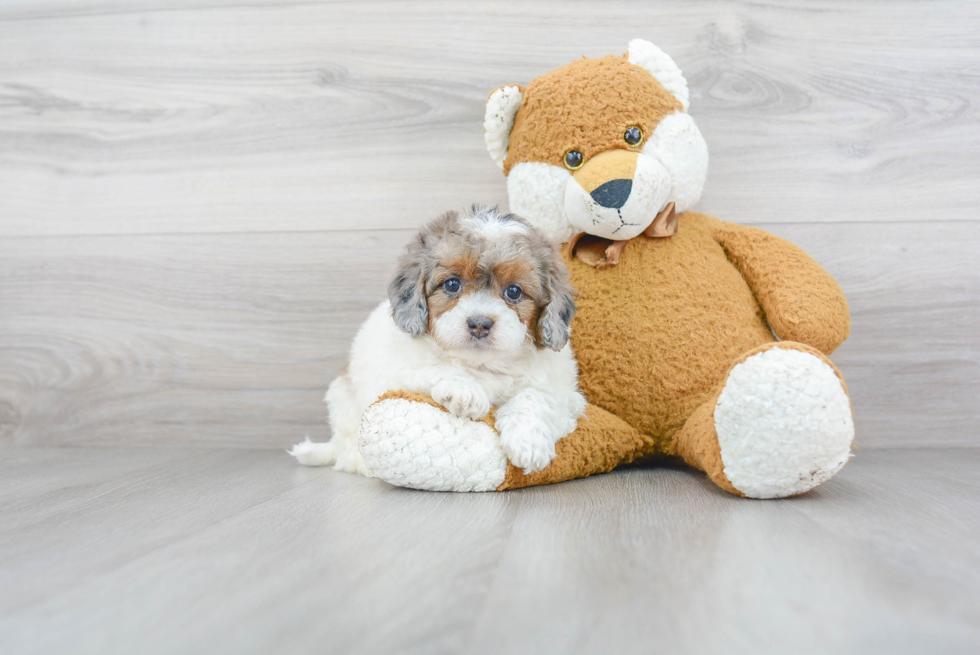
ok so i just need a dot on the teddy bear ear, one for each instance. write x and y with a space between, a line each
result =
498 121
659 64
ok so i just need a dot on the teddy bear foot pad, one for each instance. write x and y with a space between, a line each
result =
784 423
417 445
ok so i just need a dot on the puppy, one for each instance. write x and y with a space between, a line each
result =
478 315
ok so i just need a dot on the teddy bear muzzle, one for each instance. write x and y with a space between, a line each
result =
617 194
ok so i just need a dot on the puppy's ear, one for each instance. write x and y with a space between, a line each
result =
554 326
406 291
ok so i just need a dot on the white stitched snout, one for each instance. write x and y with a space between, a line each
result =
649 192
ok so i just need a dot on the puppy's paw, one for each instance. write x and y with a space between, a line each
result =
462 398
527 445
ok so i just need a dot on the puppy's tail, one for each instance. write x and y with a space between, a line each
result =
309 453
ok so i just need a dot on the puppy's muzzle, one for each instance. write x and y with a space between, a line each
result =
479 326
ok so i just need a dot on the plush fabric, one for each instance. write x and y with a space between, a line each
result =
409 440
586 106
502 106
707 342
801 301
674 314
599 444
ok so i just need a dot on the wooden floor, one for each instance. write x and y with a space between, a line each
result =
200 201
146 550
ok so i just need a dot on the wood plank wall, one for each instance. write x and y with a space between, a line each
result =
200 201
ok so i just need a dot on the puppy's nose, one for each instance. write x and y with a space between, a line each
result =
613 194
479 325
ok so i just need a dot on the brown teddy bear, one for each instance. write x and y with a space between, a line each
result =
695 338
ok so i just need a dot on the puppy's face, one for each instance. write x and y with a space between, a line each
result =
482 283
484 305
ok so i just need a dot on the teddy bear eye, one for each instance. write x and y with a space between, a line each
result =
452 285
513 292
573 159
633 136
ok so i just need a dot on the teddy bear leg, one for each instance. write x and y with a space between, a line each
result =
409 440
600 443
779 425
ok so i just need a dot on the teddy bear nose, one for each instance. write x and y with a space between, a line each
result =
613 194
479 325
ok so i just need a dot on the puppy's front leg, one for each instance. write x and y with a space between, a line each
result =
532 422
462 397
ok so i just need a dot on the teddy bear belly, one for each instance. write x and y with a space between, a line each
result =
655 334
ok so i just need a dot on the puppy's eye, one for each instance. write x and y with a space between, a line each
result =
573 159
633 136
452 285
513 292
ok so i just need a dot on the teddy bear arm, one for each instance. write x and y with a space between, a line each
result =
409 440
802 302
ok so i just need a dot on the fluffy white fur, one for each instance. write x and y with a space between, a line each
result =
452 330
416 445
659 64
537 192
498 121
678 146
535 389
784 424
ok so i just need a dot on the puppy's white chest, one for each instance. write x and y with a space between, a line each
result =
501 387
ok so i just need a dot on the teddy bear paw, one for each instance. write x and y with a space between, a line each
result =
414 444
784 423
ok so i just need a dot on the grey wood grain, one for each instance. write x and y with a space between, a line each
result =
197 338
155 503
224 551
696 572
200 201
232 339
227 117
68 481
912 362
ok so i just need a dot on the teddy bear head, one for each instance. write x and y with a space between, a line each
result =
600 146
